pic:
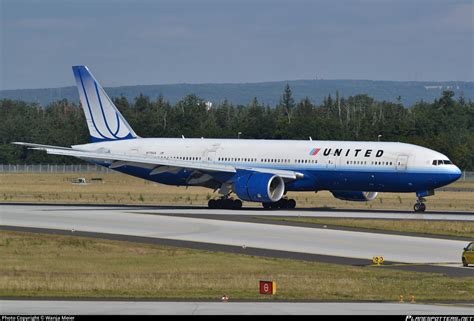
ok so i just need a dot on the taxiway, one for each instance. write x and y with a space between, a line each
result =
176 225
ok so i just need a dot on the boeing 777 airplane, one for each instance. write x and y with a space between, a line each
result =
254 170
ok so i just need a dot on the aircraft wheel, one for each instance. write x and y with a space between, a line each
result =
282 203
237 204
419 207
212 204
274 205
227 203
291 203
464 263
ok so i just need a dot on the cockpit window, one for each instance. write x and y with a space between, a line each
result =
441 162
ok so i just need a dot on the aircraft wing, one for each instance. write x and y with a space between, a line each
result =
158 165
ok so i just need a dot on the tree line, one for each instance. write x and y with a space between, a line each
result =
445 125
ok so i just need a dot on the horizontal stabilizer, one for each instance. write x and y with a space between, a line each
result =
40 146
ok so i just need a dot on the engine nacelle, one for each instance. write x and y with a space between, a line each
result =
259 187
355 196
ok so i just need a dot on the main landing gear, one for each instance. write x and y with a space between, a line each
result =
420 206
225 203
282 203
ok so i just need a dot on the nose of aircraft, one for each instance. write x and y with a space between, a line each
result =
457 172
453 175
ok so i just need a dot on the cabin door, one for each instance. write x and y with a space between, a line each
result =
331 163
402 163
211 155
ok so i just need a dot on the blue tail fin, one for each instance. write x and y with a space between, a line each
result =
103 119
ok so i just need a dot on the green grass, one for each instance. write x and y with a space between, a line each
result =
116 188
40 265
445 228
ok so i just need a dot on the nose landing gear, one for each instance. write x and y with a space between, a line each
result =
420 206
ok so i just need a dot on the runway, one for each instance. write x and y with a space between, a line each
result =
32 307
175 225
375 214
257 211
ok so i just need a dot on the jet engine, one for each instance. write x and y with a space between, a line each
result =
259 187
355 196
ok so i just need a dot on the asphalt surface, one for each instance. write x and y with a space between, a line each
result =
32 307
287 221
257 211
177 229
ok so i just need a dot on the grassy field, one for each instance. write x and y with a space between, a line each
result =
64 266
122 189
446 228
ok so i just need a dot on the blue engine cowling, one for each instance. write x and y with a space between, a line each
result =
259 187
355 196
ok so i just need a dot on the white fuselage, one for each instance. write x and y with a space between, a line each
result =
344 161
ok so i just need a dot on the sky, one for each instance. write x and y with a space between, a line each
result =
141 42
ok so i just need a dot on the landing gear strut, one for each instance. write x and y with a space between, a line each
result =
420 206
225 203
282 203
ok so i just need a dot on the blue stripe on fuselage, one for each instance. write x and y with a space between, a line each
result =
386 181
328 179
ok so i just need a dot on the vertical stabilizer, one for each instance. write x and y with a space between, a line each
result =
104 120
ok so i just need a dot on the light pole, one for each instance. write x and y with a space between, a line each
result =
238 135
378 137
